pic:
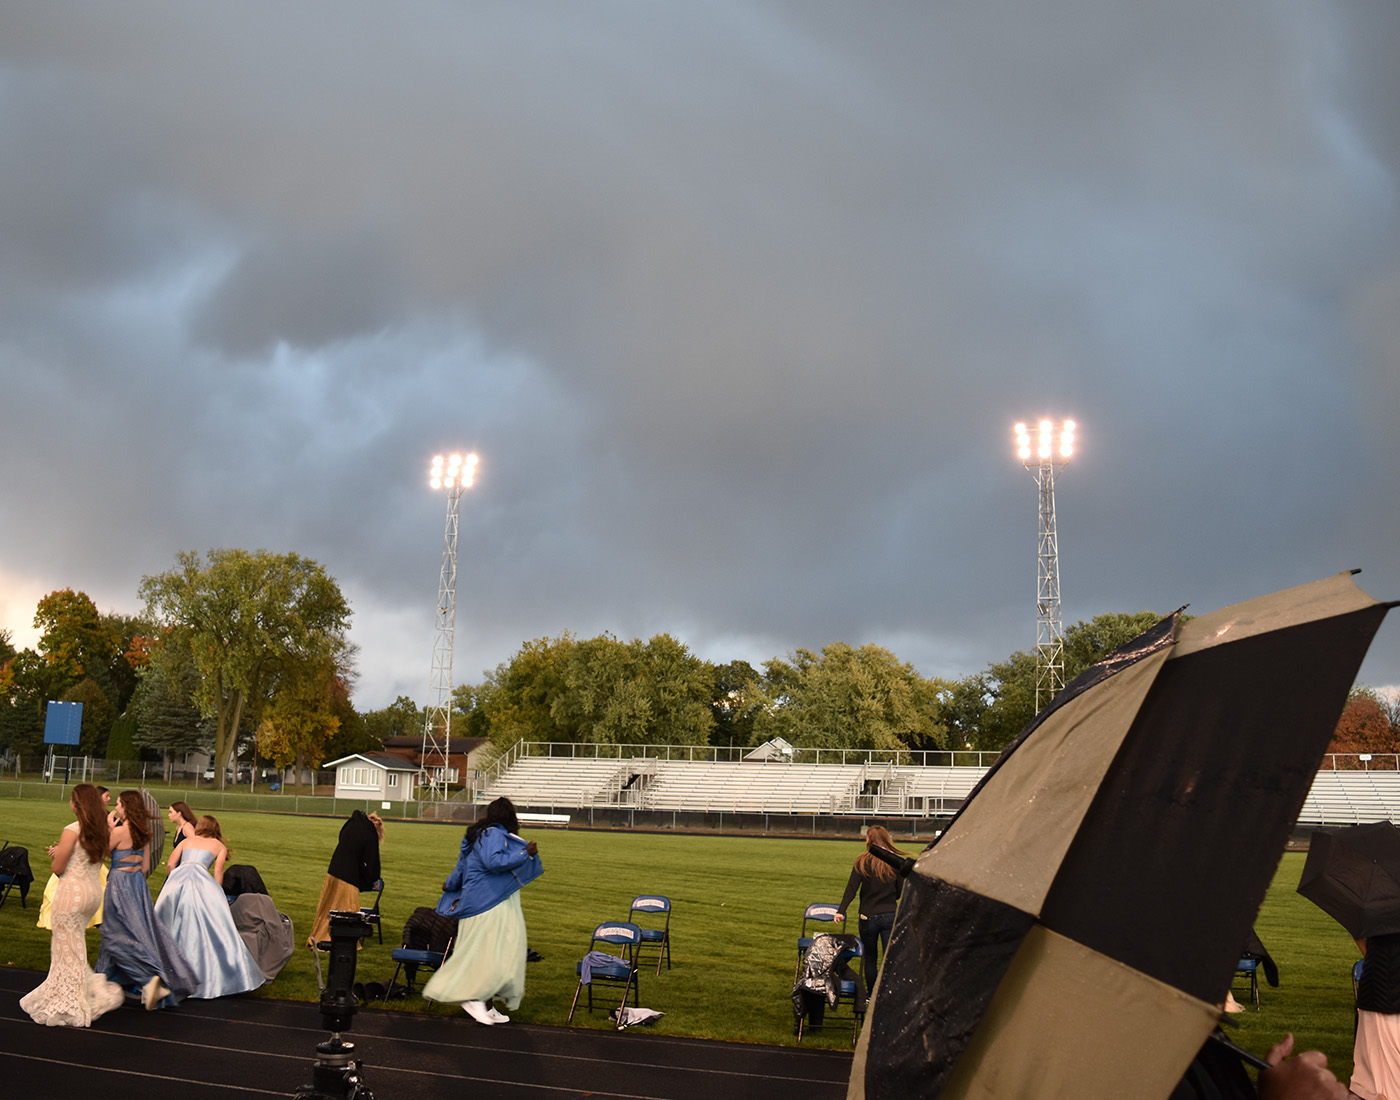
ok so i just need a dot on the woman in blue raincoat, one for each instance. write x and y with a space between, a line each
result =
483 892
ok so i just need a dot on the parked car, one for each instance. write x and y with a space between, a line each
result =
229 776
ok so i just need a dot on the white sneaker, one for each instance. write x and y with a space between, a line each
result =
478 1011
497 1017
152 993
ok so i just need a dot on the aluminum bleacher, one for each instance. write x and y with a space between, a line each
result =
754 787
1352 798
554 781
682 784
733 786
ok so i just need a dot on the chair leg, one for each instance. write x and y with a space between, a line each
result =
397 968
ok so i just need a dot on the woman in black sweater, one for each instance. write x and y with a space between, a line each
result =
878 885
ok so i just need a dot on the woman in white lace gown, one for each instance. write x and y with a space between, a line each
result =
72 995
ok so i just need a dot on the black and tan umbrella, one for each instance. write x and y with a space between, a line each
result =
1352 874
1075 927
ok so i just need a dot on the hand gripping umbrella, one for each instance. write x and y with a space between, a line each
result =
1353 875
1075 927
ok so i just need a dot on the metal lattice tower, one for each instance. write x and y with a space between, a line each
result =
1044 462
454 474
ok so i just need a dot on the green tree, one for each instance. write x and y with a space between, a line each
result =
27 683
302 718
98 715
120 743
846 697
167 720
654 692
523 699
734 703
962 707
402 718
249 620
1011 683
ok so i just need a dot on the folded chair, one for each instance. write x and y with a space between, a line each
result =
652 907
615 967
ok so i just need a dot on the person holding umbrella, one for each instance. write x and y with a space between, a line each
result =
1353 875
1376 1056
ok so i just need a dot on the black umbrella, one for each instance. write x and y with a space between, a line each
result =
1353 875
1076 926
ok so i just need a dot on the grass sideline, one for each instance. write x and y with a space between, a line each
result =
737 909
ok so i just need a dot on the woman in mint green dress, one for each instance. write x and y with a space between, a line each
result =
483 892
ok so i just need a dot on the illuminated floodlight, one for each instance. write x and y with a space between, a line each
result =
1044 456
455 473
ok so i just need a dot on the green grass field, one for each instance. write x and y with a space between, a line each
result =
738 904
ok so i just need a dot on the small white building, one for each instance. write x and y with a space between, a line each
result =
374 775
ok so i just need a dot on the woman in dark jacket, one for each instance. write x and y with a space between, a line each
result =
354 867
879 886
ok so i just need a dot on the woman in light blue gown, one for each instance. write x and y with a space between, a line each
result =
192 905
137 950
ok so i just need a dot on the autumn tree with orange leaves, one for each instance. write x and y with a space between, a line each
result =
1367 725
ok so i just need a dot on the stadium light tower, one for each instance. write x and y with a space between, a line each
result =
455 474
1044 456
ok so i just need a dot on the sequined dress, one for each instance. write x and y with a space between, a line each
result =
72 995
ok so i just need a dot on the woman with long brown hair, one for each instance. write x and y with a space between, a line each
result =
182 817
72 995
879 886
193 907
137 951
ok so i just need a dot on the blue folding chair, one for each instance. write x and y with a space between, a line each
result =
615 967
845 992
819 912
409 959
1250 969
652 906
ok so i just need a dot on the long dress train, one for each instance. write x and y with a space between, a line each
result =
193 907
72 995
136 946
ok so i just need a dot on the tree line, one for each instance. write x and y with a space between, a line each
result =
252 647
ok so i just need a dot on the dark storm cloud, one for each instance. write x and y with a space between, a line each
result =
737 303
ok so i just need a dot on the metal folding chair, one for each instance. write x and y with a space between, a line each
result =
845 990
652 906
409 959
617 967
819 912
366 910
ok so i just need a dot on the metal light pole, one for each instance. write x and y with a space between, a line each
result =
455 474
1044 461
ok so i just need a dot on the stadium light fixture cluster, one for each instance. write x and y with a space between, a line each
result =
1043 447
454 471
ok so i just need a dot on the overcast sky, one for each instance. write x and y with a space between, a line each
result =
736 301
